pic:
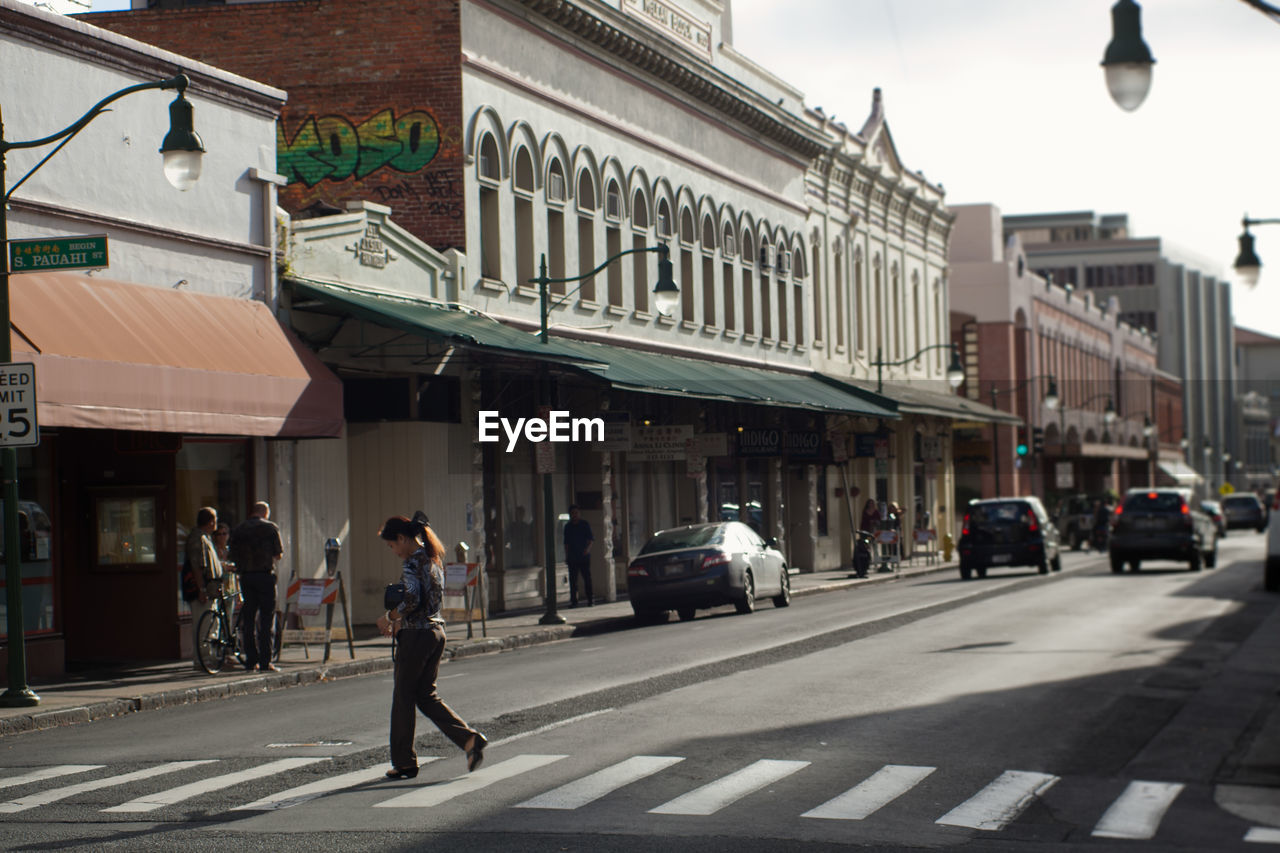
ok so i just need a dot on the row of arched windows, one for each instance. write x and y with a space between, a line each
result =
736 275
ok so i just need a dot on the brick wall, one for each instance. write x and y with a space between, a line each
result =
375 96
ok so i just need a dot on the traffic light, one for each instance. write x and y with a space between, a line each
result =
1037 440
1021 447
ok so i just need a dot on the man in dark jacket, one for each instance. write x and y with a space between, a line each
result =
255 547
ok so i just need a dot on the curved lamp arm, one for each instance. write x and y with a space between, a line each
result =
665 287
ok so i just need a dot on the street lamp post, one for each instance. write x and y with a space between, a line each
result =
665 297
182 149
1050 402
1247 265
955 371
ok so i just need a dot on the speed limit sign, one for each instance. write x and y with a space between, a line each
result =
18 406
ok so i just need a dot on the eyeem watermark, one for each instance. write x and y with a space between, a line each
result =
557 426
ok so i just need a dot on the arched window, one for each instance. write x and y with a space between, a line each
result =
816 268
896 317
488 176
797 292
729 281
613 241
748 259
640 260
782 280
917 332
837 284
859 329
586 235
688 313
708 272
522 181
664 219
877 310
555 223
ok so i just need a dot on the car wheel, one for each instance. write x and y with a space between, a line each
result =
1056 565
1260 528
1043 567
1211 558
1135 566
747 602
982 571
783 598
1197 560
966 571
686 613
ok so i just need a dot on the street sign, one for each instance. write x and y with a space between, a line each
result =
58 253
1226 489
18 406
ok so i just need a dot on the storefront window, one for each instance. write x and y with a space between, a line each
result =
518 502
35 535
209 473
126 531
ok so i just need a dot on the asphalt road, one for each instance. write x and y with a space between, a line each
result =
1021 712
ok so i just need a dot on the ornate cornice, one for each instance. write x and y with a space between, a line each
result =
692 76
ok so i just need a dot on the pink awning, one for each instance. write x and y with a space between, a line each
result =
112 355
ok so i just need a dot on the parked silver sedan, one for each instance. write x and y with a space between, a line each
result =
705 565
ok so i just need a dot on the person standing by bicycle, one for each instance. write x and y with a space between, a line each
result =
206 569
255 548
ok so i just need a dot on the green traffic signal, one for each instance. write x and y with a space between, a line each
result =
1022 450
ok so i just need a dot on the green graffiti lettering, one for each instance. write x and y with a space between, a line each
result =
419 140
378 142
332 147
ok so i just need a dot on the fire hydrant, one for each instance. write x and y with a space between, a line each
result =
948 545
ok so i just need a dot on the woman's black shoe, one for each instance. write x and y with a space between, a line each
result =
402 772
475 754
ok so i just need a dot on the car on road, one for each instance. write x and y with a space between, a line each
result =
1271 569
1008 532
699 566
1213 509
1244 510
1154 524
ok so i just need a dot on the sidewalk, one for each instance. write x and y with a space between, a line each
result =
86 696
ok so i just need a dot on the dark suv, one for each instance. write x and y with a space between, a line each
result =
1074 520
1152 524
1008 532
1244 511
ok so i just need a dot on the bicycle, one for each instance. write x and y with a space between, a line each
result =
217 636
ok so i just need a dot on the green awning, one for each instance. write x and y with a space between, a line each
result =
912 399
451 326
659 373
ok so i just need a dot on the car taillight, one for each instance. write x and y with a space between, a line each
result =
636 570
716 558
1119 509
1186 510
1031 522
964 528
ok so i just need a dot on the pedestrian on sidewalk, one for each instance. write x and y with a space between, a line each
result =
206 570
418 628
577 553
255 548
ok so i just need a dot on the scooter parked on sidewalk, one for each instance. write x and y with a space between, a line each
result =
862 549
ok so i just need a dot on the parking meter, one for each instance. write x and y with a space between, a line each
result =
332 548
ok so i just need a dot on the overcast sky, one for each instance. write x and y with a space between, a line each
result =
1003 101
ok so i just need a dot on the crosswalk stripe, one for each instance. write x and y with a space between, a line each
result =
876 791
48 773
996 805
54 794
1138 811
434 795
712 797
1263 835
312 790
591 788
159 799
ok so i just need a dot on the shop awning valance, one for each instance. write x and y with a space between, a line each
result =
449 326
115 355
1180 472
660 373
915 400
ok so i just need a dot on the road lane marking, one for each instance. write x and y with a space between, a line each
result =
875 792
1138 811
998 804
548 727
48 773
712 797
312 790
159 799
456 787
591 788
1263 835
54 794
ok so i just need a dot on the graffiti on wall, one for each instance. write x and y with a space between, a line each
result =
333 147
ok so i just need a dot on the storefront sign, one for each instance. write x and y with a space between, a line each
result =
930 448
699 447
1064 475
617 432
864 444
839 447
760 441
58 253
659 443
802 444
